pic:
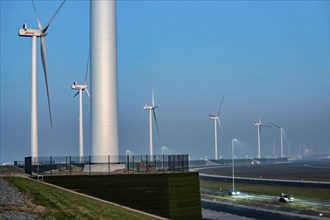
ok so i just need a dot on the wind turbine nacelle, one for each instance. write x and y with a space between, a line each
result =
75 86
146 107
213 117
23 32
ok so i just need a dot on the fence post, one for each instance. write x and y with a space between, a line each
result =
147 164
108 164
50 165
163 164
89 158
70 165
176 163
127 163
154 162
133 163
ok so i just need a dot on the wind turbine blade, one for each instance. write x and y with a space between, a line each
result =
86 74
266 125
44 64
275 125
284 135
87 93
76 94
221 128
153 111
153 98
51 19
35 12
221 104
258 113
43 54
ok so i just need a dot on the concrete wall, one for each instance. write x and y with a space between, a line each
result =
170 195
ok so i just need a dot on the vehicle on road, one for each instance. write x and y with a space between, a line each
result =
285 198
234 193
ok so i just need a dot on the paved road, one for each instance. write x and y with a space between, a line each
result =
254 213
302 202
209 214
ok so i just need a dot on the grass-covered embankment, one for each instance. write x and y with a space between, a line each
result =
171 195
8 169
53 203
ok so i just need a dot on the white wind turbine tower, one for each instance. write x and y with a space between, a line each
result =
216 119
151 109
103 70
258 125
80 89
34 34
282 133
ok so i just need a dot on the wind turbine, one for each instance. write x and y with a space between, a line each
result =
151 108
34 34
80 89
258 125
216 119
282 133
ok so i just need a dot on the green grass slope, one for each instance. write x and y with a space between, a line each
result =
49 202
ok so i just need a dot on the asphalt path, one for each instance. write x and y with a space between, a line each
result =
209 214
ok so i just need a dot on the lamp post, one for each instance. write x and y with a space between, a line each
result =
233 165
127 159
127 154
163 148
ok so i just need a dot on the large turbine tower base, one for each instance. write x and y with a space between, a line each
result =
104 122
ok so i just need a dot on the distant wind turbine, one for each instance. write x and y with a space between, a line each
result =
41 33
282 133
80 89
151 109
216 119
258 124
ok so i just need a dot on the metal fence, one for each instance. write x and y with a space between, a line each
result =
70 165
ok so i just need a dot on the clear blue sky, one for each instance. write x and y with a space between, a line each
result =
274 54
